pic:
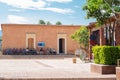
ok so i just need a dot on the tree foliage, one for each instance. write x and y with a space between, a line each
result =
102 9
42 22
81 36
48 23
58 23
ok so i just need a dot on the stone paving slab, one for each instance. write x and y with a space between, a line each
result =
35 56
48 69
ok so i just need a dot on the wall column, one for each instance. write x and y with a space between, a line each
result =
89 55
102 39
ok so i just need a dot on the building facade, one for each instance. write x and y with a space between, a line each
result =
32 36
103 35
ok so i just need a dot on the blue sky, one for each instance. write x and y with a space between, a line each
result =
31 11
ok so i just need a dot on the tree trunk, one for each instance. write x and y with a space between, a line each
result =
85 50
112 34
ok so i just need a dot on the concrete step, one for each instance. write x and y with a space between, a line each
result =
57 78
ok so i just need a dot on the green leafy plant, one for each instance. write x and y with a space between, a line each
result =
42 22
82 37
96 51
58 23
106 13
106 55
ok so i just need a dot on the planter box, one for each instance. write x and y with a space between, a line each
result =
74 60
117 73
103 69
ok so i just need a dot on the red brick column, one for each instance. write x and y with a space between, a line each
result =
117 35
89 42
102 39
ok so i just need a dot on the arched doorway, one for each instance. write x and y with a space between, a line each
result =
61 45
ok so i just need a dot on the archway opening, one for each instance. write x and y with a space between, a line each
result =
61 45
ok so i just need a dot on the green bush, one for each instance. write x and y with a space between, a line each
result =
107 55
96 51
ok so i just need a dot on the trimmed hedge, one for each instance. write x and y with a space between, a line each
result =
106 55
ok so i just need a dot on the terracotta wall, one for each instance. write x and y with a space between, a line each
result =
14 35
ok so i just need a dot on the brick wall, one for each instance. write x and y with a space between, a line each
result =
117 34
14 35
103 39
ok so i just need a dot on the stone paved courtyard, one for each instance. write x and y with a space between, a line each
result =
46 68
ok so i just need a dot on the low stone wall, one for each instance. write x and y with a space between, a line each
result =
103 69
117 73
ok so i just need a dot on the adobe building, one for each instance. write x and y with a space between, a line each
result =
33 35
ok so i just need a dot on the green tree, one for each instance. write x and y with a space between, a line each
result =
42 22
103 11
58 23
48 23
82 37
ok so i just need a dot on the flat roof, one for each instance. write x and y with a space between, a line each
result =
42 25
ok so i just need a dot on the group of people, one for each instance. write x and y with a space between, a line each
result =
27 51
47 51
14 51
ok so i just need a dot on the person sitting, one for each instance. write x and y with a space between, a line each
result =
48 51
27 50
23 51
41 51
53 51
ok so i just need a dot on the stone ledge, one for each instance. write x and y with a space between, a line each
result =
103 69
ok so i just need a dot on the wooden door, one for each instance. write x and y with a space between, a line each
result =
30 43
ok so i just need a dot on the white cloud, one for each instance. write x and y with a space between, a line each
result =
77 6
58 10
0 27
26 4
36 5
16 10
63 11
60 1
17 19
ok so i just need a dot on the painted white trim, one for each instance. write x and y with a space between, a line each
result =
57 45
65 45
31 35
59 36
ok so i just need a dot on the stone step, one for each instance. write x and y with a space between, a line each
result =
35 56
58 79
